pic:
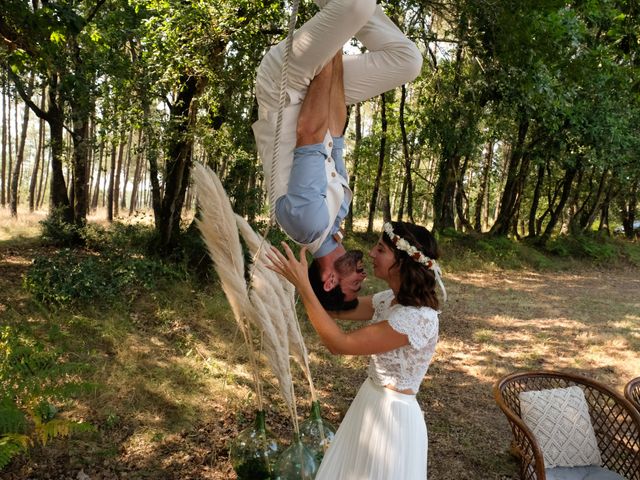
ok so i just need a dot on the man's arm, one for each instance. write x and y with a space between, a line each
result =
364 310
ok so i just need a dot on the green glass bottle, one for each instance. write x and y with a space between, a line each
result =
253 453
296 463
316 433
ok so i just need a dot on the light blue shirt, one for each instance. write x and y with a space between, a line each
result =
302 212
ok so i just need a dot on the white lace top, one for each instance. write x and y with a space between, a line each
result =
405 367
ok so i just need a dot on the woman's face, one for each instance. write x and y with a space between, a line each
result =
383 260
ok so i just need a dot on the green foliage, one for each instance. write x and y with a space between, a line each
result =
120 237
32 378
116 262
72 277
596 247
57 231
11 444
12 419
632 252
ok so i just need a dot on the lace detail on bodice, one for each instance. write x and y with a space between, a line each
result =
405 367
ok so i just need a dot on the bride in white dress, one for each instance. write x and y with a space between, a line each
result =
383 435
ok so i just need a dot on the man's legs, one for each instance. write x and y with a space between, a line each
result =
391 60
302 212
314 45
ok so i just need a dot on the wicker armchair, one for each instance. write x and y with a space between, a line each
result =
615 421
632 392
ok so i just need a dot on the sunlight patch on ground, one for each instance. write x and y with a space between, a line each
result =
26 225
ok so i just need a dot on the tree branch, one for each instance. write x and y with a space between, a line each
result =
26 98
93 13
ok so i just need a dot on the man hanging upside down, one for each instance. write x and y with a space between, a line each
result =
309 176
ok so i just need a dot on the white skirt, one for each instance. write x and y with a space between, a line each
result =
382 437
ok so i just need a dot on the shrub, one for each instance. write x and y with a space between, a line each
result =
73 277
57 231
593 246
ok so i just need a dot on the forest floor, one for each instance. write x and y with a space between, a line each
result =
173 387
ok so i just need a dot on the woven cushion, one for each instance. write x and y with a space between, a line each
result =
559 419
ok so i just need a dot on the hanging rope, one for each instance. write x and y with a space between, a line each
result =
284 80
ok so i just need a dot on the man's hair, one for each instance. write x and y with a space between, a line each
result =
333 300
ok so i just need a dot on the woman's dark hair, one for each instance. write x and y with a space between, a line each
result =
417 281
333 300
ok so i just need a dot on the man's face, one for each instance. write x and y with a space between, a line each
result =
351 274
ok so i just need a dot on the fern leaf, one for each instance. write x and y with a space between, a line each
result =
59 427
12 419
10 446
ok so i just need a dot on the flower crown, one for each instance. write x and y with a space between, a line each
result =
403 245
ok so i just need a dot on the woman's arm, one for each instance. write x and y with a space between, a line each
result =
376 338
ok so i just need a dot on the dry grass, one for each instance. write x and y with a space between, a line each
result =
174 385
586 322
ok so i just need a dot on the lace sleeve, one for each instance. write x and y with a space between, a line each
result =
381 299
419 324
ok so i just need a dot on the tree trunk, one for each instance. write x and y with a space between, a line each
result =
136 175
59 199
96 190
537 192
152 154
629 210
183 115
461 197
482 194
356 162
590 212
39 158
123 199
604 211
407 184
509 199
80 156
112 174
116 187
44 178
3 166
569 175
9 149
381 155
445 190
55 114
15 190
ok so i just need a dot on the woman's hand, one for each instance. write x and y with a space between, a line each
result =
289 266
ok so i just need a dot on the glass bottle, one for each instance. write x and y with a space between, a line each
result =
253 453
296 463
316 433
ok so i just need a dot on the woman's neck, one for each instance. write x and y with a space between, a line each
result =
394 285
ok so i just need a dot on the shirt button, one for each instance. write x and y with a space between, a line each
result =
330 144
329 160
333 174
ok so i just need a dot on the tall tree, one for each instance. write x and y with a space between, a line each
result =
15 190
